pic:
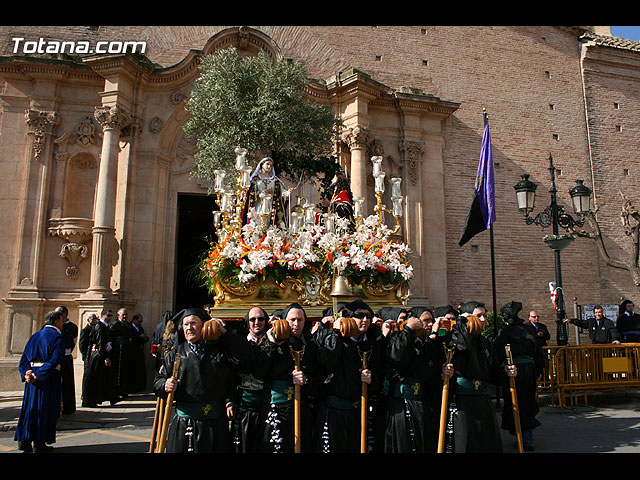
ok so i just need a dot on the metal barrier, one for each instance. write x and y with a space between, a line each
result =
589 368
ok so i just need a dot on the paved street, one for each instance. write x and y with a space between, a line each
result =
610 424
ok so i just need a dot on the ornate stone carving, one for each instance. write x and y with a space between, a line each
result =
113 117
76 232
376 148
41 124
155 125
85 132
176 97
357 137
412 155
74 253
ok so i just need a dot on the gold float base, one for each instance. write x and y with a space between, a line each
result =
313 295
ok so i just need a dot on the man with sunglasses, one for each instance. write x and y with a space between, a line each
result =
341 355
541 329
254 397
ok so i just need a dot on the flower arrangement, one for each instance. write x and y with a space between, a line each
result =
363 254
550 237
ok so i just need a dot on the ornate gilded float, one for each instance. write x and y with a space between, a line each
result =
311 260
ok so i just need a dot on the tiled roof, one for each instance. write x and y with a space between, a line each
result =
611 41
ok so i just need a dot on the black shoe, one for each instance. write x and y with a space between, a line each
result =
41 447
25 446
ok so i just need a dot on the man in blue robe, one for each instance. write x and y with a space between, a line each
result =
40 368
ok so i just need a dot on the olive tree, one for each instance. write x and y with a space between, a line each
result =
261 105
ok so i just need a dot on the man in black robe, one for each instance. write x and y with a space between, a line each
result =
341 355
70 333
156 340
415 356
137 378
98 373
281 379
628 323
254 395
528 358
472 416
204 387
122 337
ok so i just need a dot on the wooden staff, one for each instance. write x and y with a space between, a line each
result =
363 405
445 400
514 400
297 443
157 421
162 441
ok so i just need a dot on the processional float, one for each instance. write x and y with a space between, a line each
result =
318 259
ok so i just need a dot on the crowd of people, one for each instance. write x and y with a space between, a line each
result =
113 351
353 381
236 390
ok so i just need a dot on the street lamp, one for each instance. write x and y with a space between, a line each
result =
554 216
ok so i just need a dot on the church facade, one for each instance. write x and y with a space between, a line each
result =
100 209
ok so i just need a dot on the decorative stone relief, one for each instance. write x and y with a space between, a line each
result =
74 253
357 137
176 97
76 232
155 125
85 132
41 123
413 154
113 117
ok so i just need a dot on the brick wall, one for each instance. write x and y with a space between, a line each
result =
528 79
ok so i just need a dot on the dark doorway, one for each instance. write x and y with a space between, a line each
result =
195 231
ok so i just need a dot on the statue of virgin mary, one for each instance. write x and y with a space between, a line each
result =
267 187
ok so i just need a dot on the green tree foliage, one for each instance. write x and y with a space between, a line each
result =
261 105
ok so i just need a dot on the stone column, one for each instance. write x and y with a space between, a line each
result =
358 139
415 202
112 119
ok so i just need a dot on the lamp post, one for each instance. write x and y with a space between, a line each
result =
554 216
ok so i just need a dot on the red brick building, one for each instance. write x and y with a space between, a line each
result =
94 167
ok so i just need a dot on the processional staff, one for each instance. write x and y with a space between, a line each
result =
297 443
166 417
514 400
364 356
445 400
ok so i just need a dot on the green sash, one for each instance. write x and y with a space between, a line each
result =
466 386
409 389
282 391
341 403
200 411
